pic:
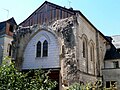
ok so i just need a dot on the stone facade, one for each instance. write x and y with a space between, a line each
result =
68 35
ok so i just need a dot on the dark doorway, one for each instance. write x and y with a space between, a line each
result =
54 75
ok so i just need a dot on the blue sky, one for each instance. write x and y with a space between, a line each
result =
103 14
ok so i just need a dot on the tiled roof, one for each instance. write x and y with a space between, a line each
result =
112 53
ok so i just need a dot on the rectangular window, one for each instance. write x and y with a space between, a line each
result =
111 84
107 84
84 50
115 64
9 50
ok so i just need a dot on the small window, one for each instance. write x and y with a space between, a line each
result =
38 53
92 53
45 48
113 83
10 50
115 64
84 49
11 28
63 49
107 84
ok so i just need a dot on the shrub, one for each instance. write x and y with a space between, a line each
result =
12 79
89 86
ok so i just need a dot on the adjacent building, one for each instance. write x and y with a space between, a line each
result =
6 32
111 70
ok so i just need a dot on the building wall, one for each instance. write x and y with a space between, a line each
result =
7 42
110 73
101 52
110 63
86 31
88 67
1 48
51 61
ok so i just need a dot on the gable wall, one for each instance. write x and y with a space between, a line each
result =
47 13
32 62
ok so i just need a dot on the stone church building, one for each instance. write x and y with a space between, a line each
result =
65 42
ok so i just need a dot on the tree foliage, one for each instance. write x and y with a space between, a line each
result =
12 79
91 86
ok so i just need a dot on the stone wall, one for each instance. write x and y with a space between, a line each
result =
111 75
69 33
66 32
5 41
1 48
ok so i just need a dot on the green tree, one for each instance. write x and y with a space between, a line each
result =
12 79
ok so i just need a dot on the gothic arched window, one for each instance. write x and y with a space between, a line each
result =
92 52
45 48
38 53
92 57
84 48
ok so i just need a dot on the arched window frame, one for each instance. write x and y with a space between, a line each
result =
45 48
84 44
38 49
92 52
85 51
92 55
